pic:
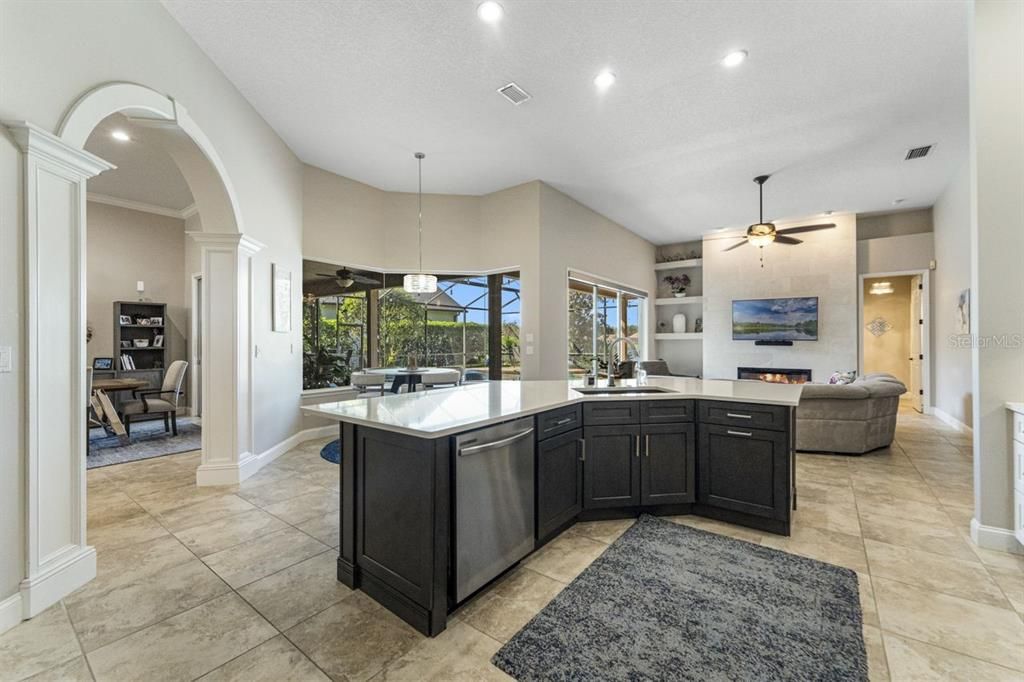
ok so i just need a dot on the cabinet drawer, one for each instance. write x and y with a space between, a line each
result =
559 421
771 417
666 411
1018 427
610 413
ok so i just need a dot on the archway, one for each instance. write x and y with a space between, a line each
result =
56 168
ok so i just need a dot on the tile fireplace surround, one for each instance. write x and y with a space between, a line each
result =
775 375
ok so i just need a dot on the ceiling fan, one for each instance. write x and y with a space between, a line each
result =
346 278
761 234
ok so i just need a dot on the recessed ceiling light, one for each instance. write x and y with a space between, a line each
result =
121 136
490 11
734 58
604 80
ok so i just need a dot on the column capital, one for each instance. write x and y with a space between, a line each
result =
244 243
34 141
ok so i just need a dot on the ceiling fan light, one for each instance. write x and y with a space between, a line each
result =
761 239
419 283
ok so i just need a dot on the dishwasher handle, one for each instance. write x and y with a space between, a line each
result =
473 449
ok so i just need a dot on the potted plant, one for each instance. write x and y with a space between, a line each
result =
678 283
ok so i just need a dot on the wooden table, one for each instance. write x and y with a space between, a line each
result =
104 408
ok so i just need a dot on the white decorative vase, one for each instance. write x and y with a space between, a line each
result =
679 323
679 294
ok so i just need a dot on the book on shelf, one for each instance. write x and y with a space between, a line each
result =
127 362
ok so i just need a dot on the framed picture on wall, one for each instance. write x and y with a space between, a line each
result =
963 312
281 314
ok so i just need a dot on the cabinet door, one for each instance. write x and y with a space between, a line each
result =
668 465
611 466
745 470
559 481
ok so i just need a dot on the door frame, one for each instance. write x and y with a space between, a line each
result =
926 332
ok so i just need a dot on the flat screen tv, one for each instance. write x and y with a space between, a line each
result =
775 319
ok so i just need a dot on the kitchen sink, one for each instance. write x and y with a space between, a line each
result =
617 390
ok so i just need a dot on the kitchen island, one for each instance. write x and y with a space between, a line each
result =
442 491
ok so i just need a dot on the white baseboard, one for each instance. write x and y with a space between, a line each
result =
991 537
951 420
235 472
10 612
74 569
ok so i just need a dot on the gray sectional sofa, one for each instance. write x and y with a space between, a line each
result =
852 418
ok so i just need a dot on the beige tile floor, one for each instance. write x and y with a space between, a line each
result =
238 583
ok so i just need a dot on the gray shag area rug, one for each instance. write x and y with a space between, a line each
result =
148 440
669 602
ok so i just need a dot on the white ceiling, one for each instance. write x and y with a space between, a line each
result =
830 99
145 172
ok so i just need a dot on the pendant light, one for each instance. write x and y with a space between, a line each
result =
420 283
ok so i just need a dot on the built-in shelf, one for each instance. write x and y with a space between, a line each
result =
143 326
677 336
673 264
682 300
143 348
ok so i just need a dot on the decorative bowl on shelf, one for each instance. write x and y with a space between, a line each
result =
679 294
141 343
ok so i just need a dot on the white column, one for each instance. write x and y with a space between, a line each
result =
227 350
57 558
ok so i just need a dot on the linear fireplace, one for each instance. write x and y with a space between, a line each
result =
774 375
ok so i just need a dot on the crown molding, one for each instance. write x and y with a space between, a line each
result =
142 206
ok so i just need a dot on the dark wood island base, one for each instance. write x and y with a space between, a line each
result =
728 461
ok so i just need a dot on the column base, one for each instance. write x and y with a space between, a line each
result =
63 575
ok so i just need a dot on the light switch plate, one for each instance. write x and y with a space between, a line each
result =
5 359
529 350
529 338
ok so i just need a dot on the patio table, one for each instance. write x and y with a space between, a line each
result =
404 375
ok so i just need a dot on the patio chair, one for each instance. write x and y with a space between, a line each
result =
365 382
157 403
449 377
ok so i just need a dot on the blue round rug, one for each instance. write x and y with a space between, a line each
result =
332 451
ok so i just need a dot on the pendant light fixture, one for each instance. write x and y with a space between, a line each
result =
420 283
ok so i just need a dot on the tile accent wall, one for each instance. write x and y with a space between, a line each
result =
825 265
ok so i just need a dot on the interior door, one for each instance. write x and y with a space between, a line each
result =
916 343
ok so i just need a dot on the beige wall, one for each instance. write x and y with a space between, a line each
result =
893 223
574 237
951 361
124 246
997 245
889 352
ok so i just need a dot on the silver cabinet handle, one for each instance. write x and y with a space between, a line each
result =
583 450
738 416
647 445
748 434
563 422
638 445
473 449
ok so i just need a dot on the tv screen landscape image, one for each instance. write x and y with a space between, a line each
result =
775 319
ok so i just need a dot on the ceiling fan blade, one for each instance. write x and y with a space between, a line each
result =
364 280
320 274
736 246
783 239
806 228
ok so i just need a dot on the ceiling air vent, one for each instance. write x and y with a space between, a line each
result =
918 152
513 93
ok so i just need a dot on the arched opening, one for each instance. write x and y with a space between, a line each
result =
223 259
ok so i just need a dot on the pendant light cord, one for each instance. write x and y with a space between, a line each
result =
419 219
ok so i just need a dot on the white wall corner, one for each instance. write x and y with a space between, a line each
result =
10 612
991 537
61 578
233 473
950 420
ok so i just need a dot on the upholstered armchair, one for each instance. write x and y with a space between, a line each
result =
157 403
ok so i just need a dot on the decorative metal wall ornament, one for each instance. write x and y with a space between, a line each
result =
878 326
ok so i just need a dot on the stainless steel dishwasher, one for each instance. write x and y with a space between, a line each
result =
494 510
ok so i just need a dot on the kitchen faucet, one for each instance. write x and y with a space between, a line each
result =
607 347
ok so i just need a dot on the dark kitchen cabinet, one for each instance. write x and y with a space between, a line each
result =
559 482
668 466
745 470
611 467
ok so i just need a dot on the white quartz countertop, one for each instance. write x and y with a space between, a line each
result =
444 412
1015 407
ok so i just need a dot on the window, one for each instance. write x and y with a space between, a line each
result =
600 313
511 322
334 339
